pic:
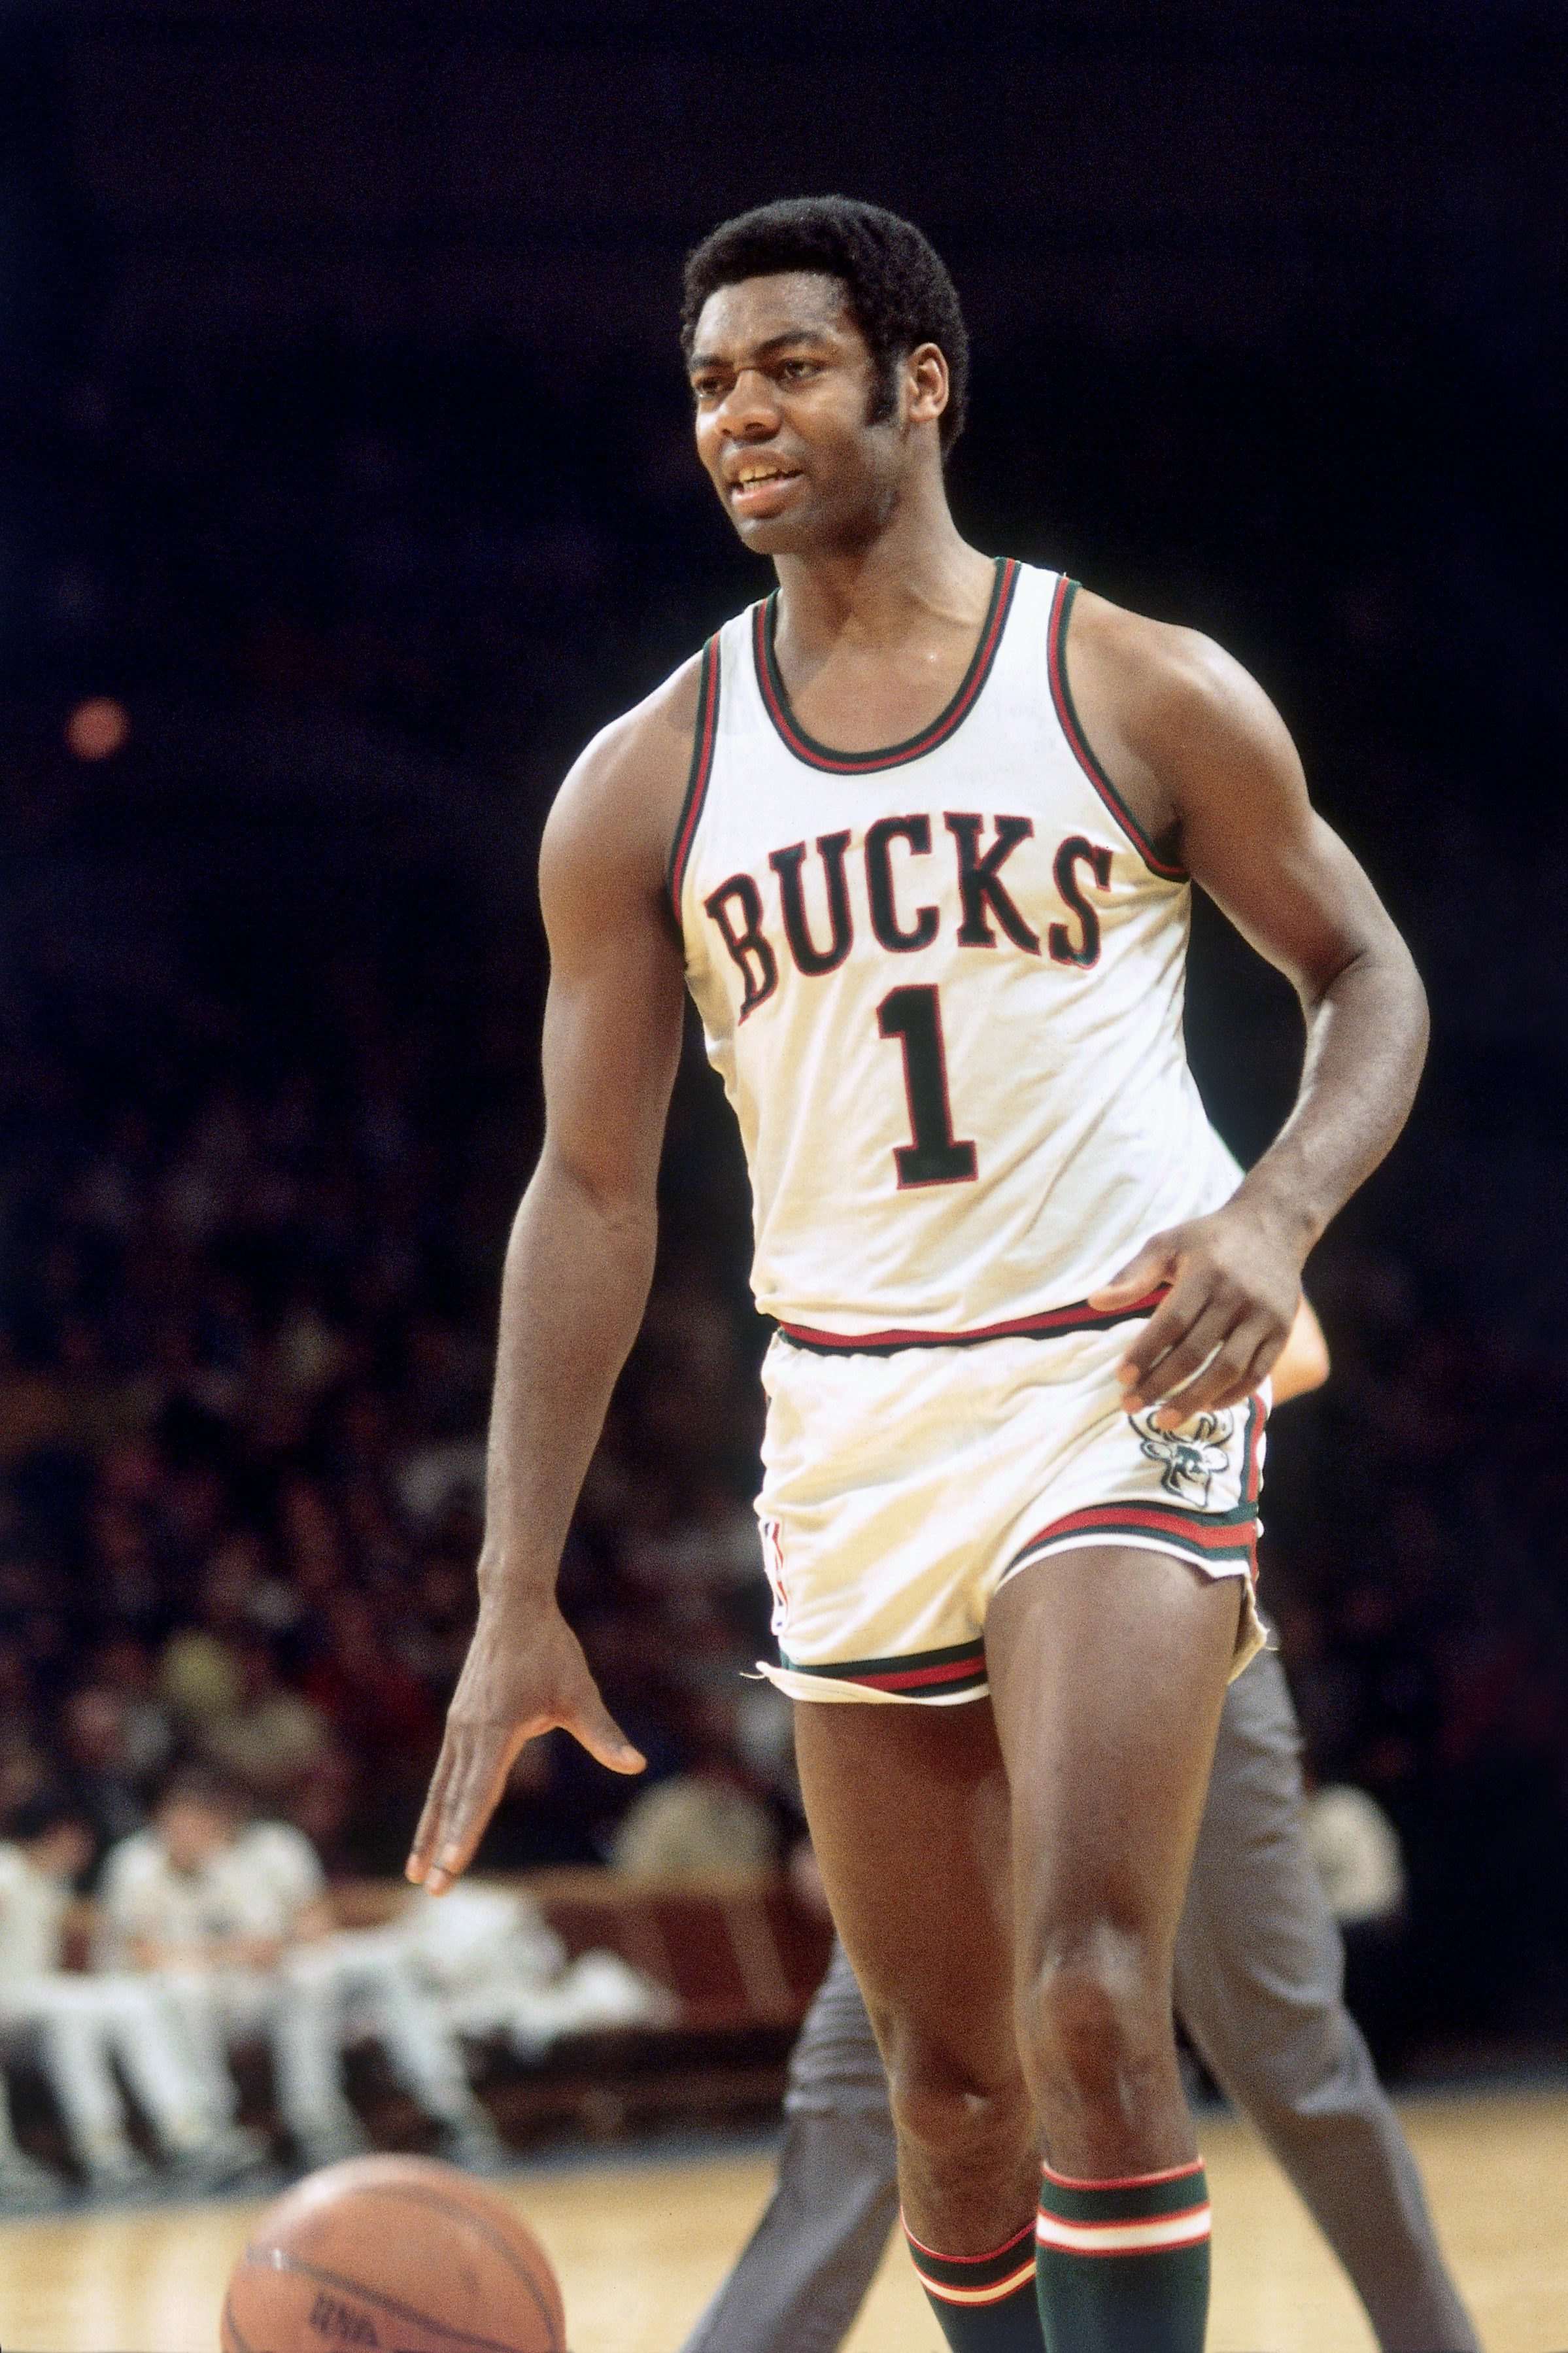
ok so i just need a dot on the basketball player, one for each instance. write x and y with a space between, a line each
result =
919 832
1259 1976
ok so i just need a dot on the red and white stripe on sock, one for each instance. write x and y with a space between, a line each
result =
975 2279
1144 2214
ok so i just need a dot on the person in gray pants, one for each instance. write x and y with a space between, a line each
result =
1259 1980
1259 1984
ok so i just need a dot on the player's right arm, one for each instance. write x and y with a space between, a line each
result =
580 1259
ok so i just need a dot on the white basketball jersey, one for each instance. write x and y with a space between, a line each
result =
943 984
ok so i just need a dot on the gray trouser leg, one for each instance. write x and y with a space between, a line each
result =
804 2275
1259 1983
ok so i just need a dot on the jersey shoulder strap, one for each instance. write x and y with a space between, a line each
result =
705 735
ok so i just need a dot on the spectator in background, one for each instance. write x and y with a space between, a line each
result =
199 1674
23 1767
379 1707
100 1767
269 1740
122 1663
381 1714
312 1542
129 1586
498 1970
700 1822
436 1626
707 1818
1356 1851
79 2026
322 1806
232 1916
193 1511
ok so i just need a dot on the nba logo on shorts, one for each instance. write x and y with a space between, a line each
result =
773 1561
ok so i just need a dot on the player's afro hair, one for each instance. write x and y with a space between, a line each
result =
899 287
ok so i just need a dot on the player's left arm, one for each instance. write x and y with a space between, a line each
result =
1206 761
1302 1364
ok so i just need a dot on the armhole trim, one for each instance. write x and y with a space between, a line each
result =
1079 743
704 738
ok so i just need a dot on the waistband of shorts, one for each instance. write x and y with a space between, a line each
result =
1049 1324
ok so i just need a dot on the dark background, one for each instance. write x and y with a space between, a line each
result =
344 443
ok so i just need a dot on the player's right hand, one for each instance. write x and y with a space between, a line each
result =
524 1674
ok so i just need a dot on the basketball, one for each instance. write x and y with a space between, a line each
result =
393 2251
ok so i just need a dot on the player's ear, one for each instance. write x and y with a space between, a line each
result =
926 385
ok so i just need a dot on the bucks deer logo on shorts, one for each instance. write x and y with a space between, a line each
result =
1193 1455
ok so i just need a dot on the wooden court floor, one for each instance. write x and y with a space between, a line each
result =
639 2247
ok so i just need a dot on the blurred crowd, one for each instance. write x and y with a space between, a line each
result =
1415 1567
245 1351
261 1135
246 1318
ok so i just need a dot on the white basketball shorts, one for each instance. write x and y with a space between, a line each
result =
900 1491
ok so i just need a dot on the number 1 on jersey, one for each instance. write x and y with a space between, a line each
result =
936 1156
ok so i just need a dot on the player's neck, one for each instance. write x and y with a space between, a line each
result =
917 568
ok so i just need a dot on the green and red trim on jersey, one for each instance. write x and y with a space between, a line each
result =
1146 2215
975 2279
1078 1317
704 738
1072 728
957 1672
775 700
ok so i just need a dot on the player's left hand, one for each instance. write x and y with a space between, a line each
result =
1231 1297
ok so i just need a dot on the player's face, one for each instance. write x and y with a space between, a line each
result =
784 384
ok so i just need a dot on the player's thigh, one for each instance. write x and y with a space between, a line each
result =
910 1815
1108 1670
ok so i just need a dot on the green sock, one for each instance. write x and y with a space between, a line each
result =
1123 2267
984 2304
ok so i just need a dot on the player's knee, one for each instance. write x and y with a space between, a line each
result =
955 2114
1094 2009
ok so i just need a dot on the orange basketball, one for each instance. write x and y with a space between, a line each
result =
398 2253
